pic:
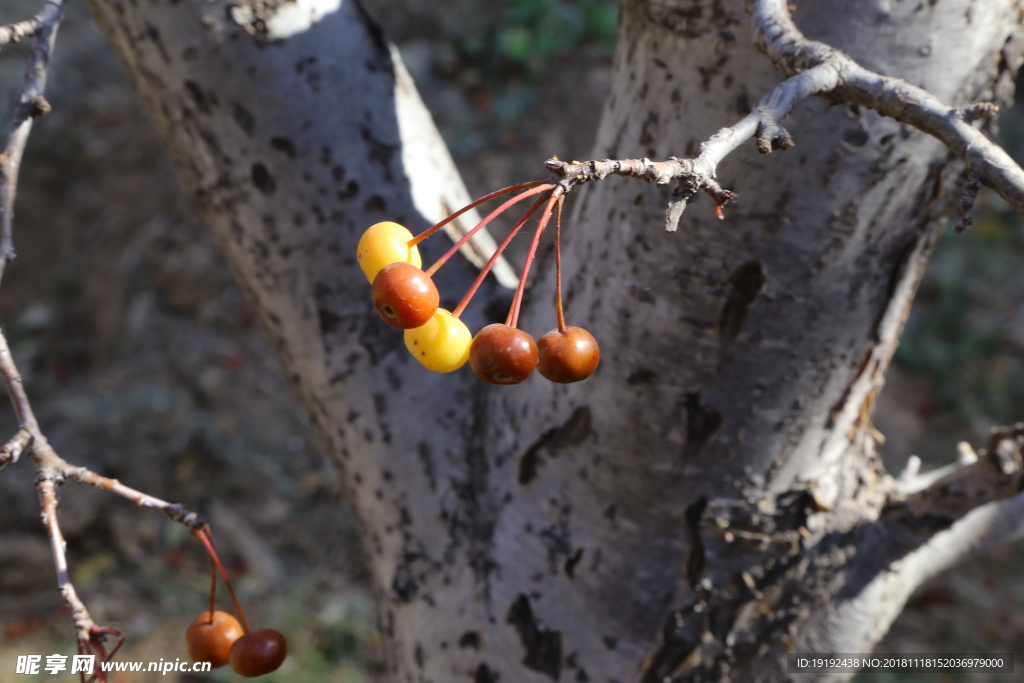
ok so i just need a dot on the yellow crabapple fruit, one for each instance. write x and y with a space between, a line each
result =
440 345
383 244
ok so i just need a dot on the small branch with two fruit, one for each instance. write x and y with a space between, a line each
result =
215 637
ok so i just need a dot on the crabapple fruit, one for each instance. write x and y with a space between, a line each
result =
209 638
258 652
383 244
440 345
502 354
404 295
569 356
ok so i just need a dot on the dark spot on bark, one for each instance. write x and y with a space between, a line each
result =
485 675
743 103
283 144
338 173
649 132
196 93
470 639
262 179
702 423
410 574
641 376
418 655
572 432
375 203
543 646
154 35
329 321
745 284
581 675
611 512
643 295
696 561
610 642
858 137
570 564
350 191
243 118
379 152
426 458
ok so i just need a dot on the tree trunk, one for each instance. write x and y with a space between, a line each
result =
711 499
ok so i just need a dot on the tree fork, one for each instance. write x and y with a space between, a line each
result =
547 525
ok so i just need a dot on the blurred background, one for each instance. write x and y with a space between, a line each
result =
145 364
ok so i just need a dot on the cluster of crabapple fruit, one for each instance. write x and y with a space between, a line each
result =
219 638
405 297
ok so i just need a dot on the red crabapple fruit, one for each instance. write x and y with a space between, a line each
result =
502 354
258 652
566 357
404 295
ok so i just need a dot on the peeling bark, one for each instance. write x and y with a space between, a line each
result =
706 502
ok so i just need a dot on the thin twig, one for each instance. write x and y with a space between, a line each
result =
11 451
46 485
31 105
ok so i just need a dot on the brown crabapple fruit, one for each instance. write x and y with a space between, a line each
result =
258 652
566 357
501 354
404 295
210 639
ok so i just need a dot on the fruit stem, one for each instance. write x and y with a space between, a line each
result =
479 226
494 257
558 264
437 226
207 540
513 313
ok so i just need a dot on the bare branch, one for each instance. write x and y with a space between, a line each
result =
12 33
52 470
31 105
694 175
815 69
779 38
995 473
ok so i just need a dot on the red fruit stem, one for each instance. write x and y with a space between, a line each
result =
207 540
513 313
479 226
437 226
558 264
494 257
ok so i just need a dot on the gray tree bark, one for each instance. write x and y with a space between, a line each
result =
711 499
